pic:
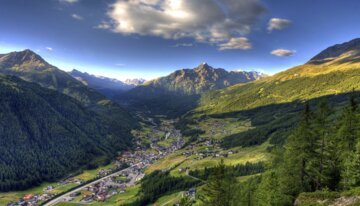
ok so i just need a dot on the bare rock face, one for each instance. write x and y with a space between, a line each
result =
202 79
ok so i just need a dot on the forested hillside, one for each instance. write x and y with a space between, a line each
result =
44 135
29 66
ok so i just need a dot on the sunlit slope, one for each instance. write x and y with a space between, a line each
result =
308 81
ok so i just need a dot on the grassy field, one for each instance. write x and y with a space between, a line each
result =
119 199
169 200
166 163
320 198
249 154
216 128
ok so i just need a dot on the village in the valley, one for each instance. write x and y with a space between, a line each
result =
152 142
114 180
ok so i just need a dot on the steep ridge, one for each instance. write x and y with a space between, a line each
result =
351 49
303 82
29 66
44 135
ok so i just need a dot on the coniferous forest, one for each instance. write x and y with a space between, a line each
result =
320 157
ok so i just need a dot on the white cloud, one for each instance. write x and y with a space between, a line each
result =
69 1
103 25
278 24
283 52
183 45
210 21
236 43
77 17
49 48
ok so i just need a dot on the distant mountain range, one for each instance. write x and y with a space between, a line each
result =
107 86
135 82
178 92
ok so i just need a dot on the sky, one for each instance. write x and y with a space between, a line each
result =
151 38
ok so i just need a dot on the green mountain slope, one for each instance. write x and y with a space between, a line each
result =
178 92
308 81
44 135
31 67
271 103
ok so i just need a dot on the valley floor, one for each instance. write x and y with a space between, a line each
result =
165 151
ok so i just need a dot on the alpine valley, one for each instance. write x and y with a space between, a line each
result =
109 103
63 140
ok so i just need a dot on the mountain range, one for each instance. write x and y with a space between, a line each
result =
105 85
179 91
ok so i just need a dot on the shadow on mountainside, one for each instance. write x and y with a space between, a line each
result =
272 122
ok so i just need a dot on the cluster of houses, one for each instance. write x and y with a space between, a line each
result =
212 150
31 200
138 160
71 181
112 185
102 190
104 172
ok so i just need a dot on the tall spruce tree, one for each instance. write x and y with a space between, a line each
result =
220 189
354 179
348 135
299 152
349 125
269 192
323 166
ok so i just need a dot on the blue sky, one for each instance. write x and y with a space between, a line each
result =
152 38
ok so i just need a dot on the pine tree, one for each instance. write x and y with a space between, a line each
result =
354 167
300 150
322 164
348 133
220 187
269 192
349 126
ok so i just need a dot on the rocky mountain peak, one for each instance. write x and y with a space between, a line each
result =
203 66
26 56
